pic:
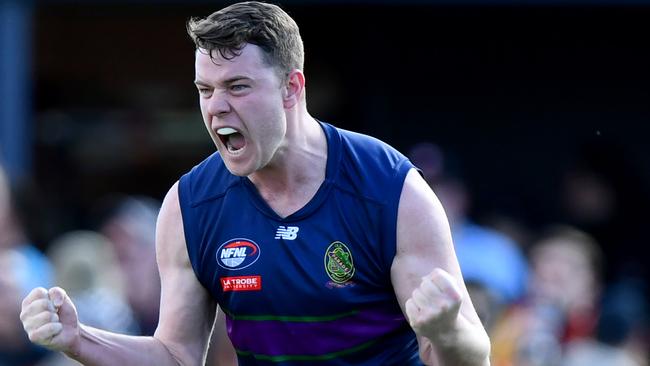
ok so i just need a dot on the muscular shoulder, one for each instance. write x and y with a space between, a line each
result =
369 150
371 166
207 180
170 239
422 225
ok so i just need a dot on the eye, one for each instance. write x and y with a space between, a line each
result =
238 88
206 92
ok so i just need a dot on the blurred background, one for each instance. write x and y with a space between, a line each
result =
528 118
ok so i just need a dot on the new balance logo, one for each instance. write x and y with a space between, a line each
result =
287 233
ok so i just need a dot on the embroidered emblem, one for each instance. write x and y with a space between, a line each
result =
339 264
237 254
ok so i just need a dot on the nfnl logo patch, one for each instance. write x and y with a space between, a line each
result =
241 283
237 254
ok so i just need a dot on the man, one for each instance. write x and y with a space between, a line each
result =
316 242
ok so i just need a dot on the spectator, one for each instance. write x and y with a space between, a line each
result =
130 226
620 336
561 305
86 266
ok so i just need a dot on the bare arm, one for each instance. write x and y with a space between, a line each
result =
429 285
186 312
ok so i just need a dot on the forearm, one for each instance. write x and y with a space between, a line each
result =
97 347
465 345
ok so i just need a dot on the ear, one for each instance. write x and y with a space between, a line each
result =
293 89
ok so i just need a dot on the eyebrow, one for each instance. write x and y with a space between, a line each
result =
225 82
235 79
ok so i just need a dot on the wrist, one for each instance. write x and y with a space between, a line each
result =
462 343
445 337
74 350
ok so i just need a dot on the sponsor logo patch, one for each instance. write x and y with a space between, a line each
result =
241 283
339 264
237 254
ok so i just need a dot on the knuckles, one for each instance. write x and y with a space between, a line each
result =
42 335
36 294
36 337
39 317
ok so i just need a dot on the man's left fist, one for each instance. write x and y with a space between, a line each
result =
433 307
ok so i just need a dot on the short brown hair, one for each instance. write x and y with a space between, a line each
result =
267 26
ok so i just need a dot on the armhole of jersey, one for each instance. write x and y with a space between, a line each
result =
391 209
185 200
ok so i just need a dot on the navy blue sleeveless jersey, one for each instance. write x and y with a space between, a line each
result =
313 288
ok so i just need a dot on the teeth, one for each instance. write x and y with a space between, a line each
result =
225 131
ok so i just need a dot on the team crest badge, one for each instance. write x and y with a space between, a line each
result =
339 264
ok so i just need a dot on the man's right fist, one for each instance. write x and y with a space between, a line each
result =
50 319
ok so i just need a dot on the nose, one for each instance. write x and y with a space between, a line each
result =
218 105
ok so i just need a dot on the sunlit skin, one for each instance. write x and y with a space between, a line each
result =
245 94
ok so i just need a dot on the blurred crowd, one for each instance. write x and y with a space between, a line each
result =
557 295
110 273
543 294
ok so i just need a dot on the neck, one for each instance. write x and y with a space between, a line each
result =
294 175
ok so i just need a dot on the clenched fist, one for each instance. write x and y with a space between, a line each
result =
434 305
50 319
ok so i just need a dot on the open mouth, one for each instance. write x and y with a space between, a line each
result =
233 140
